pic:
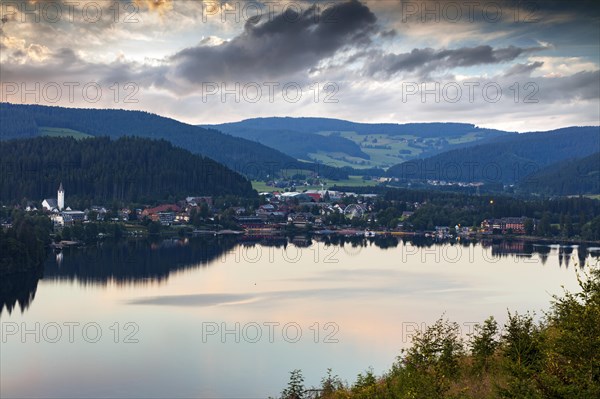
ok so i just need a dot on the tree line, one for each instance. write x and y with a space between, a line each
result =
505 159
244 156
556 357
100 169
23 247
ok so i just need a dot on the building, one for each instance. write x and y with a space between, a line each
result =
515 225
250 222
55 205
50 204
197 201
164 218
70 217
161 208
61 197
67 218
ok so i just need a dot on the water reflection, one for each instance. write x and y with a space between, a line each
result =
18 289
372 291
142 262
135 261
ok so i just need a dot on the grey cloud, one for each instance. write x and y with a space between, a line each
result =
285 44
523 69
388 34
425 61
579 86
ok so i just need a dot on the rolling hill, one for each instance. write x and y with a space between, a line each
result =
297 144
570 177
245 156
503 159
358 145
129 169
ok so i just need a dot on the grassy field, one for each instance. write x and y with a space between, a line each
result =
386 150
354 181
60 132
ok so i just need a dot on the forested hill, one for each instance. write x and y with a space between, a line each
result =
505 159
357 145
313 125
128 169
571 177
244 156
297 144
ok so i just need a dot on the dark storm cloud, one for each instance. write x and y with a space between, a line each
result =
427 60
285 44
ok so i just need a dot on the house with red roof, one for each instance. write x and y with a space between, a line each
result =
161 208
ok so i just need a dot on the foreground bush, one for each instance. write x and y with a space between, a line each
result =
558 357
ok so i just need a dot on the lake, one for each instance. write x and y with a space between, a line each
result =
219 318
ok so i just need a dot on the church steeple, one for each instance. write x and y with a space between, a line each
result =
61 198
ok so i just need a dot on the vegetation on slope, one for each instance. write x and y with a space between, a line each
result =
23 246
360 145
557 357
100 169
297 144
571 177
244 156
504 159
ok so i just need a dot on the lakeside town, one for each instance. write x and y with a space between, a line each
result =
320 212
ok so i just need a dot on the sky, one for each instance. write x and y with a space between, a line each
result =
512 65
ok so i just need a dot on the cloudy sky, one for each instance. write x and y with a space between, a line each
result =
515 65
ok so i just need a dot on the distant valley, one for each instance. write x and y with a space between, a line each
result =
358 145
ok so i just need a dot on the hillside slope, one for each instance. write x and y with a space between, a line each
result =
570 177
129 169
359 145
297 144
244 156
506 159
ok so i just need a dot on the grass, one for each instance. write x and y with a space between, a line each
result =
385 157
61 132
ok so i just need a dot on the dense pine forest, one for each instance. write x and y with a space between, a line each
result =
244 156
313 125
556 357
574 176
103 170
506 159
23 246
298 144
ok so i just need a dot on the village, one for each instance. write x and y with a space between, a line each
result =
277 213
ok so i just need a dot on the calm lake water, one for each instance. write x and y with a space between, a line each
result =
215 318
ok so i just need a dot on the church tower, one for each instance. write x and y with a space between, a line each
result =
61 198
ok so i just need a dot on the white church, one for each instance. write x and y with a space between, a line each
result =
55 205
62 216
